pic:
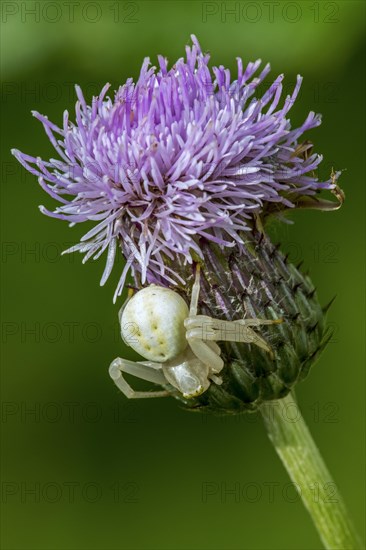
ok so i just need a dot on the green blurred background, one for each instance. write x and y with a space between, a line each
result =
82 468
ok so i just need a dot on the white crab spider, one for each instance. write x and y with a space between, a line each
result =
179 344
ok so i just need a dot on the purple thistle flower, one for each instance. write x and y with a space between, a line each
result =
180 155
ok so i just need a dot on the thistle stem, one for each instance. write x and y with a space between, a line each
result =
296 448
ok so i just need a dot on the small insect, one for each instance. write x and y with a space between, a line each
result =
179 345
303 150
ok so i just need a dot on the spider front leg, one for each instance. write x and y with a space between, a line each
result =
207 352
206 328
203 330
149 371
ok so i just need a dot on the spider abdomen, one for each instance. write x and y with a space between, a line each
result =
152 323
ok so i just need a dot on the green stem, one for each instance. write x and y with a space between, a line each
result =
295 446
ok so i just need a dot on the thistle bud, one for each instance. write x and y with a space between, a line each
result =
259 281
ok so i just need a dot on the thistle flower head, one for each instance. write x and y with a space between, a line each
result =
183 153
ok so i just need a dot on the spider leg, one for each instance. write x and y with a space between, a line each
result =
205 328
215 347
251 337
258 322
195 292
205 352
119 366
